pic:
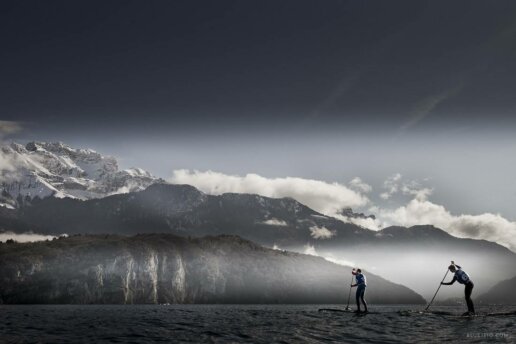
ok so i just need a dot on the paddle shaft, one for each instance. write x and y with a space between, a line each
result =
349 295
437 291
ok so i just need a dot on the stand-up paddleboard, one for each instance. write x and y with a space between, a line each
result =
340 310
348 311
495 314
455 315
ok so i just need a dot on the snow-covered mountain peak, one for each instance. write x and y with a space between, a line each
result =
53 168
62 159
137 172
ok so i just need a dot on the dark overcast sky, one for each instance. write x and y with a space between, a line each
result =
338 88
176 65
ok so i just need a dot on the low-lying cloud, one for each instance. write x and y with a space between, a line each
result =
326 198
9 167
310 250
24 237
275 222
321 232
370 223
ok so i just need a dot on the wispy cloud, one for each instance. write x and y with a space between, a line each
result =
415 189
338 92
395 184
391 186
426 105
358 184
9 128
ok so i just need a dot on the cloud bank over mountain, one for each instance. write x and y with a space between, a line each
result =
324 197
331 198
488 226
419 210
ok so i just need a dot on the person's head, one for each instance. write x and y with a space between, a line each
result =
359 271
452 268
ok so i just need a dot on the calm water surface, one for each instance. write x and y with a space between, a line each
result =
247 323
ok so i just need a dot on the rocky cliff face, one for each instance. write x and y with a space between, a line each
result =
159 268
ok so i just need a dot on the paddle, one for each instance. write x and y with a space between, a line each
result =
436 291
349 295
347 306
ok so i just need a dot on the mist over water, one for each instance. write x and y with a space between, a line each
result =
423 270
247 323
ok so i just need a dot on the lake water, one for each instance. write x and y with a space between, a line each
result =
247 323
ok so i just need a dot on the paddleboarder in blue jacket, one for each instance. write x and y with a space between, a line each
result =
462 277
361 284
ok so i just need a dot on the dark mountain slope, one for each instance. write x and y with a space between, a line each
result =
183 209
163 268
502 293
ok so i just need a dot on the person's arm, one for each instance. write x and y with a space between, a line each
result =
353 285
451 282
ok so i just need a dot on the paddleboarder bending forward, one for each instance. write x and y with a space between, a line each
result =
361 287
462 277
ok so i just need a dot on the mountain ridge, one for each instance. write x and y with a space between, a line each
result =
176 200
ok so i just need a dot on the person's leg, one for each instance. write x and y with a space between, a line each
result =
358 299
467 293
362 298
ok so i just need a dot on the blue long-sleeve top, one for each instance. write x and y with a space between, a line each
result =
459 276
360 279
